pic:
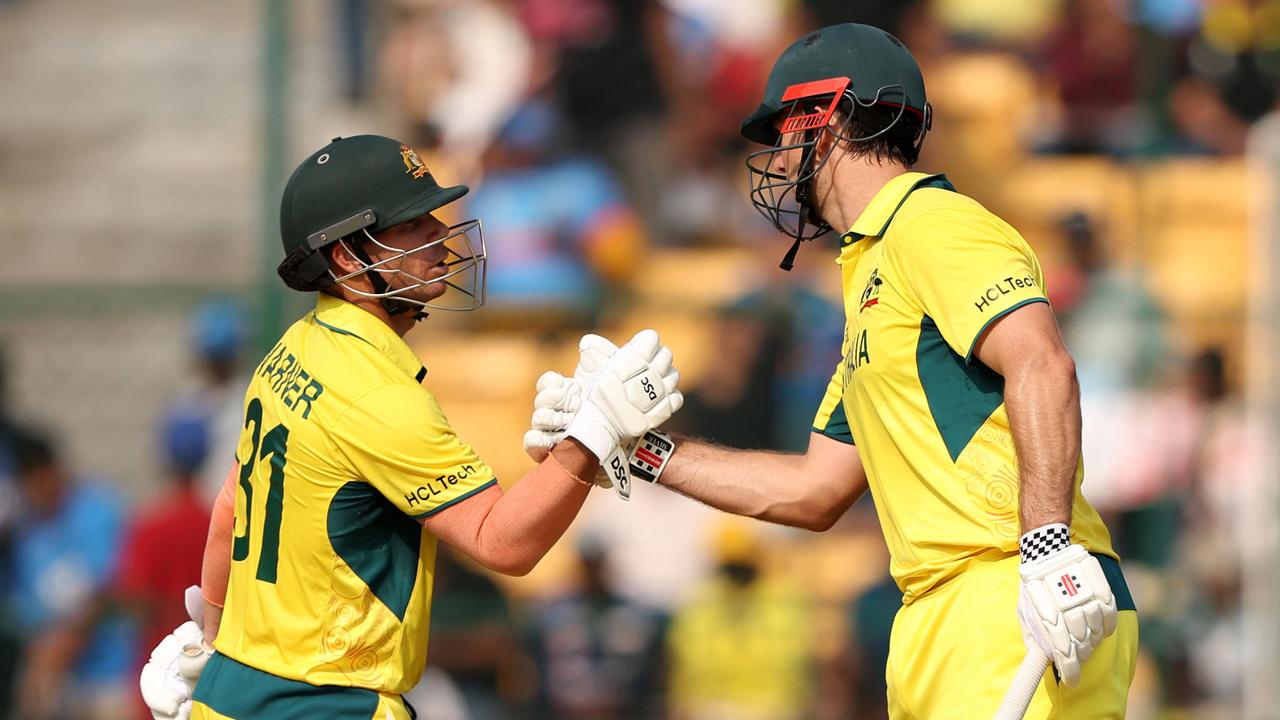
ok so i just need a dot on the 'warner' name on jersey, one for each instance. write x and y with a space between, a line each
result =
343 451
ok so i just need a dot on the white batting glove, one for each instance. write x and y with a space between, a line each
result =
169 677
634 392
555 404
1066 606
558 398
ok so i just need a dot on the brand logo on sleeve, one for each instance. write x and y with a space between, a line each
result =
1002 288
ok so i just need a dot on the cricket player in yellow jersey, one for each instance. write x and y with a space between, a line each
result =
955 402
318 570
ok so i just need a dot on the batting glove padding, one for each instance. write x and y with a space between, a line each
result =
635 391
1066 607
169 677
557 400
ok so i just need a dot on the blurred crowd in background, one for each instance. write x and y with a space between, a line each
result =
600 138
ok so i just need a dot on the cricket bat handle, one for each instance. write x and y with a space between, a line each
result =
1024 685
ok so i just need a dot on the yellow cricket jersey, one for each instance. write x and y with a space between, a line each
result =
925 270
342 452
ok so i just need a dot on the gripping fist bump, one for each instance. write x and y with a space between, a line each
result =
616 398
635 391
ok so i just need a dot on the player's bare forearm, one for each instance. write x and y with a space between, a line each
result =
809 491
509 532
1042 399
215 569
1043 404
212 621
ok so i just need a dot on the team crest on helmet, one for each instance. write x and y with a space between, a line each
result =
412 163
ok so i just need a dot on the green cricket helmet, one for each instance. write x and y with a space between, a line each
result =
864 71
353 188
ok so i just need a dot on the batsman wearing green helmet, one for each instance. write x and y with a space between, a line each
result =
318 570
955 403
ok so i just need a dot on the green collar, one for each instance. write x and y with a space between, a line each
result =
346 318
879 213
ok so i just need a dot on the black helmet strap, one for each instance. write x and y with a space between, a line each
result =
380 285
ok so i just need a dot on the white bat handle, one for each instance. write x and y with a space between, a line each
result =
1024 685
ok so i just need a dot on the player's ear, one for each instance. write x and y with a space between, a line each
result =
831 136
341 259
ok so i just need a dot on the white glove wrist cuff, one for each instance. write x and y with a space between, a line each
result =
650 456
594 438
1044 541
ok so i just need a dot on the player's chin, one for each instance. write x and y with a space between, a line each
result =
430 291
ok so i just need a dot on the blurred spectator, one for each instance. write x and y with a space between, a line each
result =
777 347
457 69
1091 59
559 232
78 656
614 76
870 618
216 389
744 647
1234 63
1112 324
164 546
475 647
675 562
1114 330
735 402
809 329
614 66
724 49
1237 50
1008 23
598 654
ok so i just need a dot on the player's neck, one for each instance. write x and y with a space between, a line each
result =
855 181
400 324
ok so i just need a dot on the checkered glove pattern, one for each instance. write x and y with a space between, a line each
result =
1066 607
1044 541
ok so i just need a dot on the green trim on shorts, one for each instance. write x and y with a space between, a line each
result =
1115 578
236 690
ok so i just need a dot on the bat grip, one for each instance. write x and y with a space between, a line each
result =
1024 685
